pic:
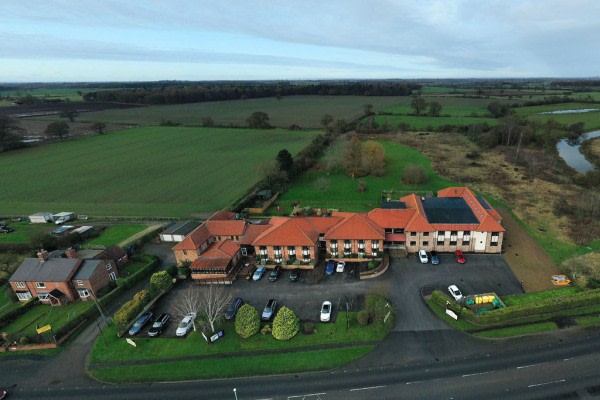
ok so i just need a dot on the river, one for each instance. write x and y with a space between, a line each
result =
569 151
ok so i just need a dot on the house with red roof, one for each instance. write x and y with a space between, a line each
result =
456 219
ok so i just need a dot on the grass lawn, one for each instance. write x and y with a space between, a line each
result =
234 366
304 111
195 345
151 171
342 193
588 321
131 268
459 324
517 330
24 231
114 235
44 314
5 304
518 299
591 119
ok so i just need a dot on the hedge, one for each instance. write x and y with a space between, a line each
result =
549 307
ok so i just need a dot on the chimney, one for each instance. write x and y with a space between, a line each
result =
71 253
43 255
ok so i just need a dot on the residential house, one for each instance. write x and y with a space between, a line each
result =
92 276
355 236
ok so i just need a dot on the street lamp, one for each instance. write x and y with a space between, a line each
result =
235 393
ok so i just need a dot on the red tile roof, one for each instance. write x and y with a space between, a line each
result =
222 215
391 218
218 255
490 225
293 231
226 228
355 226
252 232
395 237
194 240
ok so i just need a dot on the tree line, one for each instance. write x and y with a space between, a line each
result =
169 93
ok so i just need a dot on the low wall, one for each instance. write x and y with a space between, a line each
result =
380 270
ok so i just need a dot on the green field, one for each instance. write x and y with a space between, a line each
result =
342 193
69 94
305 111
114 235
425 122
591 119
152 171
24 231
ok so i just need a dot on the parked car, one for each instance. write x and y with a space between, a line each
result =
435 259
6 229
3 394
455 292
269 310
330 268
460 258
275 274
233 308
185 325
340 266
295 275
326 311
423 257
139 324
259 273
159 324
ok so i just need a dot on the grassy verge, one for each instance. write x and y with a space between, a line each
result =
114 235
234 366
195 345
518 299
459 324
593 320
517 330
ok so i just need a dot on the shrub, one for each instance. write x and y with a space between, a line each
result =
247 321
286 324
308 327
380 310
24 341
362 318
265 330
372 265
172 270
160 281
414 174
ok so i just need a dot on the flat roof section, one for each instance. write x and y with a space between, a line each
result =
393 205
448 210
484 203
181 228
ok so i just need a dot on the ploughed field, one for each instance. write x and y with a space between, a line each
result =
149 171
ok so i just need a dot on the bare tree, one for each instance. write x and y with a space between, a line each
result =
188 302
215 301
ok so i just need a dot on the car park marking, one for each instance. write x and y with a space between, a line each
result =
368 388
546 383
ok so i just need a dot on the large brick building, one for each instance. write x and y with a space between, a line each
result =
457 219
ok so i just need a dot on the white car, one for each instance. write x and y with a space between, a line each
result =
326 311
340 266
185 325
455 292
423 257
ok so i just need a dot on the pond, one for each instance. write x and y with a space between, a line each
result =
568 149
578 111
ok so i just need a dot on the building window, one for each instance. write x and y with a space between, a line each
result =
20 284
291 251
467 233
452 242
185 252
453 233
425 233
79 283
412 243
413 234
388 231
495 236
347 244
305 251
440 242
374 254
425 243
494 244
83 293
113 276
466 242
42 295
361 245
375 244
40 285
398 230
108 266
24 295
333 244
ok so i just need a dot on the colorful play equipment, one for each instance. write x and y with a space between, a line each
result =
560 280
481 303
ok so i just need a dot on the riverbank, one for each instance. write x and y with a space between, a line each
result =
591 151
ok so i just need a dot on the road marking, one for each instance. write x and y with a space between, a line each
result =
368 388
531 365
306 395
477 373
546 383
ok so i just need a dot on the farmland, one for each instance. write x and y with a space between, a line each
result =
305 111
151 171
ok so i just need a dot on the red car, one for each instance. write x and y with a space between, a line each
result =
459 257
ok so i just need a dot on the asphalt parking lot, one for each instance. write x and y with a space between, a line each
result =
403 280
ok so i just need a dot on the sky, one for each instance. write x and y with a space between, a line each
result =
148 40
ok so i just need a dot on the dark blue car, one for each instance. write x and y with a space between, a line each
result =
139 324
330 269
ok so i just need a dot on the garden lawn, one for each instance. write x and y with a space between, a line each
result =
151 171
195 345
228 367
5 304
342 194
44 314
114 235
